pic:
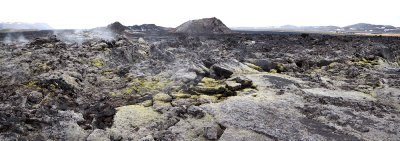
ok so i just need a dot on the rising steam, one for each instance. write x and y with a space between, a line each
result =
79 36
14 39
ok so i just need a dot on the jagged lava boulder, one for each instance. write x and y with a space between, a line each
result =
203 26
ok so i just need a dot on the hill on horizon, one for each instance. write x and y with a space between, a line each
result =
354 28
22 25
205 25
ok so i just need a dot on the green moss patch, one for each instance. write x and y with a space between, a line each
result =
258 68
98 62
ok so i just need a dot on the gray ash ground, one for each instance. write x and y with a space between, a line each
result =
68 85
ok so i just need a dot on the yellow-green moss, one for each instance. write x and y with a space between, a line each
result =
219 95
142 85
35 85
162 97
315 71
107 71
195 97
43 66
32 83
115 94
98 62
254 66
279 67
181 94
273 71
332 64
364 61
106 50
209 82
128 90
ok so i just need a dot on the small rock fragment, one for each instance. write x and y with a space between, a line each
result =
281 92
99 135
244 81
147 138
161 106
181 95
147 103
184 102
232 85
35 96
162 97
196 111
207 99
232 134
212 133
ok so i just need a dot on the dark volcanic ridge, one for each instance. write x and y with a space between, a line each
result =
149 28
201 26
206 25
117 27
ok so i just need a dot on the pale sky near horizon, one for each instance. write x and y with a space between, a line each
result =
74 14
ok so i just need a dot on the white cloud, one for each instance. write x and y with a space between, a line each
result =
94 13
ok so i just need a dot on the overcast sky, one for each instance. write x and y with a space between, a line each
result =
171 13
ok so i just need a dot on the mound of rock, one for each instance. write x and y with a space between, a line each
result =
147 28
117 27
203 26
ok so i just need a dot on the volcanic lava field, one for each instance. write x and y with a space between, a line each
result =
199 81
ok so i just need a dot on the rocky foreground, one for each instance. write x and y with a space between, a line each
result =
174 86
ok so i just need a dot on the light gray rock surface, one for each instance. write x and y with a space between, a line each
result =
99 135
232 134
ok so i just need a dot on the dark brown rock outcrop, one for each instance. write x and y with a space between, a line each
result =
203 26
117 27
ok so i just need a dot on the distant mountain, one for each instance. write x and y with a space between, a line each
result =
288 27
356 28
292 27
20 25
369 27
